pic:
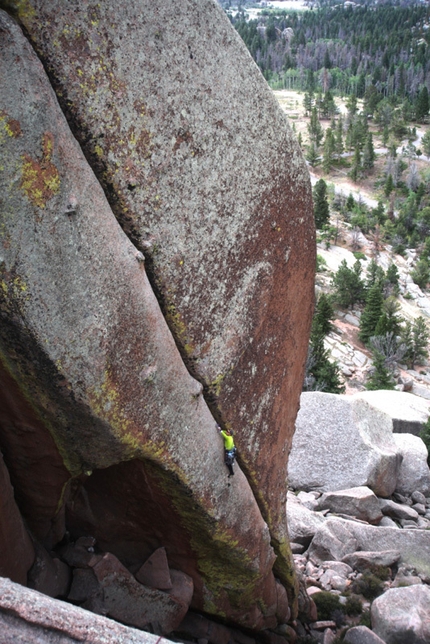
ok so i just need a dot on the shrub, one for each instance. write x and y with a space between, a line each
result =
365 619
327 604
321 264
359 255
353 606
369 585
381 572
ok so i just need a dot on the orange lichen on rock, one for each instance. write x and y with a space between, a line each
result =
40 178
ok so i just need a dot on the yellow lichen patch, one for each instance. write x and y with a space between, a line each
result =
19 285
107 403
215 385
40 178
98 150
285 571
9 127
178 328
21 7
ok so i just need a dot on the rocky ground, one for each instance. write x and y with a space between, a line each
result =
357 547
359 517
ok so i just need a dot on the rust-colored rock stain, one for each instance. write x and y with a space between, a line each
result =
40 177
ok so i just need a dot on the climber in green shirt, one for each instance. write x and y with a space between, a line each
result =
229 448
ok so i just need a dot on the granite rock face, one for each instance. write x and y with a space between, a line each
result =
28 617
85 343
202 171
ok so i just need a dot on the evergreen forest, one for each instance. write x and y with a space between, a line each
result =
346 49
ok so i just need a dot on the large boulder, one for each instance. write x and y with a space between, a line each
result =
362 635
204 175
155 571
84 341
28 617
363 560
402 615
302 522
414 473
342 442
408 412
48 575
128 601
16 548
359 502
337 538
397 511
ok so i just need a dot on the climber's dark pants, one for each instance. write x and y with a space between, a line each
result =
229 460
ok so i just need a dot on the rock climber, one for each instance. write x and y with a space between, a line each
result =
229 448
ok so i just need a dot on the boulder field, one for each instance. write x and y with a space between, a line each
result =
156 270
353 544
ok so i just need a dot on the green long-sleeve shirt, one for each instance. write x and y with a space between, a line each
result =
228 440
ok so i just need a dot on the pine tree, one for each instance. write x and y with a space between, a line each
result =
371 313
321 207
308 102
326 373
416 338
385 135
321 373
368 153
324 314
389 185
392 277
310 81
328 106
375 275
315 129
351 104
328 150
349 287
389 322
350 203
338 138
312 156
425 142
355 171
421 273
380 378
422 105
